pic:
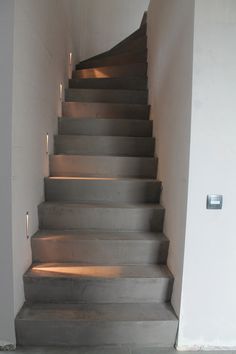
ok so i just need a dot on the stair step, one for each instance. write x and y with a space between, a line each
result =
104 145
102 166
102 190
112 71
107 216
96 324
77 283
105 127
105 110
115 59
107 96
94 247
127 83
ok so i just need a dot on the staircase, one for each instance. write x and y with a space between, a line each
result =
99 274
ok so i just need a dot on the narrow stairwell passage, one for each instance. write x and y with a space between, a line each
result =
99 274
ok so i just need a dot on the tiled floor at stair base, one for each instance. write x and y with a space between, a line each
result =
107 350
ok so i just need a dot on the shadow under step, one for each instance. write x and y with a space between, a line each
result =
127 83
77 283
96 324
102 166
106 96
102 190
99 247
113 71
105 110
107 216
104 127
104 145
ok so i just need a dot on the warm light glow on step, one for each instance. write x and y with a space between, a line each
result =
100 74
88 178
83 271
94 73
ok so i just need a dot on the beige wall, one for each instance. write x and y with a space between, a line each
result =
42 42
6 272
208 309
193 95
170 60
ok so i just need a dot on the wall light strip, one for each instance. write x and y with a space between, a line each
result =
70 65
61 91
47 143
27 225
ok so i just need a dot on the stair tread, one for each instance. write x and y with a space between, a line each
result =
105 79
91 235
95 272
109 205
112 104
114 66
104 156
133 121
117 91
114 179
112 137
127 312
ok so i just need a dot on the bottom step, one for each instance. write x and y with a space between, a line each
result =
96 324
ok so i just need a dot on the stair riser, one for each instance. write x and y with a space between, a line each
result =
116 59
103 110
53 216
108 96
139 69
102 166
70 290
75 190
71 333
118 84
100 145
105 127
99 252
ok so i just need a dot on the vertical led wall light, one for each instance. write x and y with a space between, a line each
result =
47 143
27 225
61 92
70 65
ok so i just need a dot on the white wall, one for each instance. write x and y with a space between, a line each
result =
170 57
208 308
101 24
6 271
41 49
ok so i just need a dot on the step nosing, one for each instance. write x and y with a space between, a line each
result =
104 205
112 312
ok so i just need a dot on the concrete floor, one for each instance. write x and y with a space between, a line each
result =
107 350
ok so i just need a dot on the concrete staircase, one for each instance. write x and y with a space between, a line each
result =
99 274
